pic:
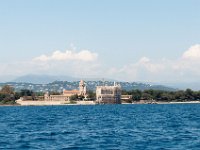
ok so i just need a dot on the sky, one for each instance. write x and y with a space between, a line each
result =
129 40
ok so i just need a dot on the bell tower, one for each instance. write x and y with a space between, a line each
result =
82 88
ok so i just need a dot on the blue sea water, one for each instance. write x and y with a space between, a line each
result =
139 127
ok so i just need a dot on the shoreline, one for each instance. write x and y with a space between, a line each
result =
50 103
188 102
61 103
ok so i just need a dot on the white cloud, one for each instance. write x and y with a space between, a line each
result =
72 63
144 69
193 53
152 67
184 68
69 63
189 61
68 55
144 60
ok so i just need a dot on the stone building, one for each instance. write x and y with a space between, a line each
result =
108 94
82 88
126 98
70 92
67 93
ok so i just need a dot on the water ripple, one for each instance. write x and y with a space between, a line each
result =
138 127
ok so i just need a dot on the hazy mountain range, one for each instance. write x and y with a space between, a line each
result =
42 83
46 79
43 79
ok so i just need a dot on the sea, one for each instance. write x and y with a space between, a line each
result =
103 127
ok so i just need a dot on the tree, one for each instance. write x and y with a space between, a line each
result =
147 96
179 95
7 90
189 94
73 97
26 92
54 93
165 96
17 95
158 95
91 95
136 95
7 95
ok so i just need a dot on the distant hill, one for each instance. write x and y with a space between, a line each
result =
47 79
130 86
185 85
44 83
43 79
91 85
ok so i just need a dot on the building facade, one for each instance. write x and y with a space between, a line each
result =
67 93
108 94
82 88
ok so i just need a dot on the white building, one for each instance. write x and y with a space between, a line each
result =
108 94
82 88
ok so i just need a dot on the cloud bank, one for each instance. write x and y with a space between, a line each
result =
68 55
183 69
193 53
69 62
85 63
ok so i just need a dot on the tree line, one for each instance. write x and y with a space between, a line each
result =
8 95
165 96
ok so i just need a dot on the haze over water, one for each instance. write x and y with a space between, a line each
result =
101 127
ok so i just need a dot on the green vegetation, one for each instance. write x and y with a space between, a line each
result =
73 97
91 95
72 102
164 96
7 95
54 93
